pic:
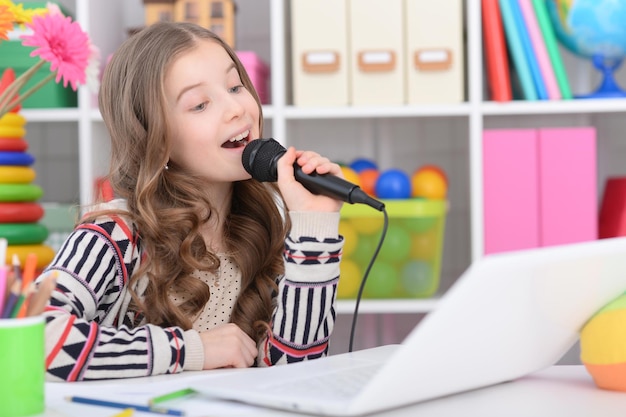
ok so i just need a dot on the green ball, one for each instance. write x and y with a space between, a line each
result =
382 281
397 244
417 279
364 250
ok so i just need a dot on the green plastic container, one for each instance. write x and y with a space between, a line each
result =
409 262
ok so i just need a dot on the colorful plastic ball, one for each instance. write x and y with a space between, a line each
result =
367 179
350 237
350 175
429 183
367 225
382 281
365 247
424 246
435 168
417 279
393 184
349 279
361 164
397 244
602 346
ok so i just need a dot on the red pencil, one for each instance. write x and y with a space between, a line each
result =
28 275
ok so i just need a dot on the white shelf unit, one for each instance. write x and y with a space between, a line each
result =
403 137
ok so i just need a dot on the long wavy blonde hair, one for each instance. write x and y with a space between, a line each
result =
168 208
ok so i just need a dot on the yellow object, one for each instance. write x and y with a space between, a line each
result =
603 346
124 413
16 174
44 253
349 279
12 132
12 119
349 236
429 183
351 175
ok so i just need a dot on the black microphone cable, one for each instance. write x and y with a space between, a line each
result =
364 279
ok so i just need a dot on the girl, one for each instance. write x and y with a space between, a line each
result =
195 265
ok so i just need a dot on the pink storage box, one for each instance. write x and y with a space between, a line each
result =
258 72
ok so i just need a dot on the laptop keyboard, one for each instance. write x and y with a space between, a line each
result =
338 384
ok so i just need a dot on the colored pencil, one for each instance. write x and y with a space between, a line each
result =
30 270
171 396
3 285
144 408
124 413
3 251
12 299
28 275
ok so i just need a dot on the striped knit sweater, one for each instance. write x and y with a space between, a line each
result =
90 333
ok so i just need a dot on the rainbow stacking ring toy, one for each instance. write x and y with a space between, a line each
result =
16 158
20 212
16 174
12 132
13 145
23 233
20 192
44 254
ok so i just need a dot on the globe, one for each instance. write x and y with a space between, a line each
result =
596 30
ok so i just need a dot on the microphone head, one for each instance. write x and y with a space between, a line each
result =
259 159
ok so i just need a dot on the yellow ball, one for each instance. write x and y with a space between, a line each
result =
350 175
367 225
349 279
424 245
429 183
350 237
603 346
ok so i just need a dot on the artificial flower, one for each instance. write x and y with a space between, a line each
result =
6 21
63 44
57 40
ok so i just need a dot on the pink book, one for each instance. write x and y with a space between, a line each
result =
541 52
568 191
510 184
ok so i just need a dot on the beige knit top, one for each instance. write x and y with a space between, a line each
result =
224 290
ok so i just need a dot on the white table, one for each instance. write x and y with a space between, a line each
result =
566 391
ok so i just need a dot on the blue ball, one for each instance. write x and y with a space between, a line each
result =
393 184
361 164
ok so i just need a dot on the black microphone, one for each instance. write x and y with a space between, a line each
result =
259 159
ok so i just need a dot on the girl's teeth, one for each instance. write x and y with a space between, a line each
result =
240 136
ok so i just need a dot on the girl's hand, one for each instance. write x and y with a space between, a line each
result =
227 346
296 196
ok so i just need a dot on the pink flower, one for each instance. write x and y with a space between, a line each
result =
62 43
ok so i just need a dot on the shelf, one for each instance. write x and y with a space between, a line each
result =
576 106
360 112
392 306
70 114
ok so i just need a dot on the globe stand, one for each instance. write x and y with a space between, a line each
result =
608 87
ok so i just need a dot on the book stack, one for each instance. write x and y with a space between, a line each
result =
521 52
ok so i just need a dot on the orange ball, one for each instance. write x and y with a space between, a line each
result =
368 178
429 183
434 168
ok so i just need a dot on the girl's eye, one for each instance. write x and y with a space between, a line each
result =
199 107
236 88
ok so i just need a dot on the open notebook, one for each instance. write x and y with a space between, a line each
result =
508 315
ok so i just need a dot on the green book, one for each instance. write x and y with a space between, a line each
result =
553 48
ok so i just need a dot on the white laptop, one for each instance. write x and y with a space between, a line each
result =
508 315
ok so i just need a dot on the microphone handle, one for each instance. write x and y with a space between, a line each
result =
335 187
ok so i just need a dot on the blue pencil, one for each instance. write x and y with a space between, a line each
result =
12 299
147 409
